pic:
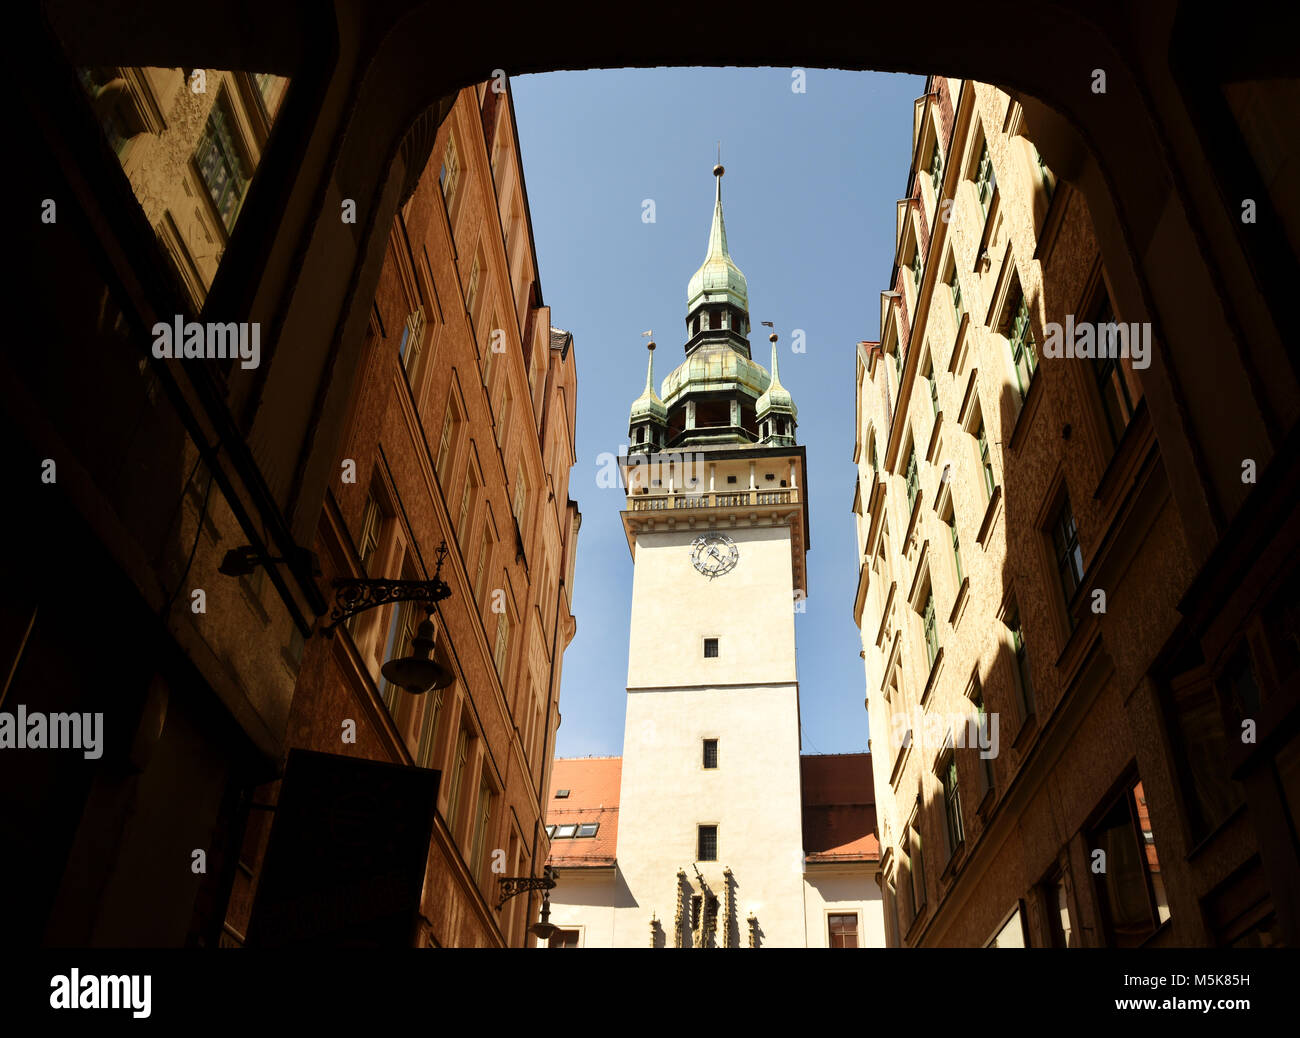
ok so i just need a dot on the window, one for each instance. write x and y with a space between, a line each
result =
913 480
502 651
588 828
1058 912
936 167
429 728
911 847
1024 352
1210 794
563 939
401 632
561 794
503 413
1012 933
951 520
1131 888
412 340
481 570
448 441
955 288
221 165
521 496
550 831
986 461
984 734
985 181
1113 380
916 268
1069 559
710 753
1024 682
566 832
898 364
710 648
1049 180
930 627
482 816
457 775
467 496
928 373
368 542
707 843
843 930
449 174
471 287
952 803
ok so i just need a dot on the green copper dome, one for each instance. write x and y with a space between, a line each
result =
714 366
718 280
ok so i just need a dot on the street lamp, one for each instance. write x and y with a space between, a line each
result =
544 929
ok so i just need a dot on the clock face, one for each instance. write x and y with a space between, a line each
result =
714 554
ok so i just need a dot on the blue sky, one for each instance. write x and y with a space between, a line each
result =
809 198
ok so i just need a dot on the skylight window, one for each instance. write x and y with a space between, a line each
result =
588 828
564 832
560 794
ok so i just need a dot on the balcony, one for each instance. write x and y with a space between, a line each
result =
728 499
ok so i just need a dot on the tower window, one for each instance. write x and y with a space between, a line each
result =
707 849
731 479
710 753
710 648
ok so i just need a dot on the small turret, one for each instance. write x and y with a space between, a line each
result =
648 419
775 410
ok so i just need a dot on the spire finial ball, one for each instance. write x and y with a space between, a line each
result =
650 346
772 337
718 170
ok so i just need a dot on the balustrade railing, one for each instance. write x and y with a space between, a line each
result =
730 499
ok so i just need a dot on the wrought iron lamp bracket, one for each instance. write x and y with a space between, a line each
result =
353 595
512 885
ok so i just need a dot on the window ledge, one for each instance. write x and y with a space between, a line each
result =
900 762
985 807
1025 734
955 860
955 361
1212 835
990 513
935 669
959 604
1127 456
911 519
1028 408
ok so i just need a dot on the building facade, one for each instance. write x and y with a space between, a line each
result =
461 434
1069 731
717 812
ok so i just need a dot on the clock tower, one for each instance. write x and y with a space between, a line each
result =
716 518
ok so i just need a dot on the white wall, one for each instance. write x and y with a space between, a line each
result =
831 889
749 610
584 901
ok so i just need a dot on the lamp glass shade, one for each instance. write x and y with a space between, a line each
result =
418 673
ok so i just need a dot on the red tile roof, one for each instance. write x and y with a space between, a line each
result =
593 785
839 811
839 808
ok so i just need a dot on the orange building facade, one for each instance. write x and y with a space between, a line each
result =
460 432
